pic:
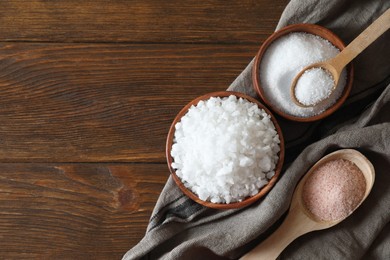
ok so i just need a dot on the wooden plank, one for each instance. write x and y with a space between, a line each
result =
103 103
139 21
68 211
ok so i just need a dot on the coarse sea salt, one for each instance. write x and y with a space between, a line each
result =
334 190
314 86
284 59
225 149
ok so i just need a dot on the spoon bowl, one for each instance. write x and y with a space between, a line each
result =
299 219
329 67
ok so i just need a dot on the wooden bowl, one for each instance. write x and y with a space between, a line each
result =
193 196
312 29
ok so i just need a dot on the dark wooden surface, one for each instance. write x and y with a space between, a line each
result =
88 92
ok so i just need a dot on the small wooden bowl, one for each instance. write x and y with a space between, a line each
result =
193 196
312 29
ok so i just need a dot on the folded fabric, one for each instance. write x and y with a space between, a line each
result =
182 229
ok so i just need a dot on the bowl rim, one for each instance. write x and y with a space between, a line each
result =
307 28
249 200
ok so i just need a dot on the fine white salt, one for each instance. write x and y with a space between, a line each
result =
225 149
283 60
314 86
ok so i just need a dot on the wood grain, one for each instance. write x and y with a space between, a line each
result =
85 84
103 103
208 21
68 211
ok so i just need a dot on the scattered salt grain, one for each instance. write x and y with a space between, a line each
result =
225 149
314 86
284 59
334 190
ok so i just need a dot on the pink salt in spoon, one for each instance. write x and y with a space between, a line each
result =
334 66
299 219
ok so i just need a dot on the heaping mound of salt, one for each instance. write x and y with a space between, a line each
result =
225 149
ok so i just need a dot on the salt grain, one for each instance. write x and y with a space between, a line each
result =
225 149
334 190
314 86
282 61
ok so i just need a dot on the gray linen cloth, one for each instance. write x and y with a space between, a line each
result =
182 229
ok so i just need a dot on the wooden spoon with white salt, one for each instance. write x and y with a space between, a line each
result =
300 220
302 90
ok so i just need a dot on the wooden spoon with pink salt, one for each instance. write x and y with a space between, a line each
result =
329 192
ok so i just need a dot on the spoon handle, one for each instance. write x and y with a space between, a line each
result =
368 36
295 224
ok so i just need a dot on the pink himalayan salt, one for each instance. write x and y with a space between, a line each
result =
334 190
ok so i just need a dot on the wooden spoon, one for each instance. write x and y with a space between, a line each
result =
335 65
299 220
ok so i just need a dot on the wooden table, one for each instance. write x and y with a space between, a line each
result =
88 92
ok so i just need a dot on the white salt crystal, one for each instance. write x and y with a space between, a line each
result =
314 86
270 174
284 59
245 161
225 149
